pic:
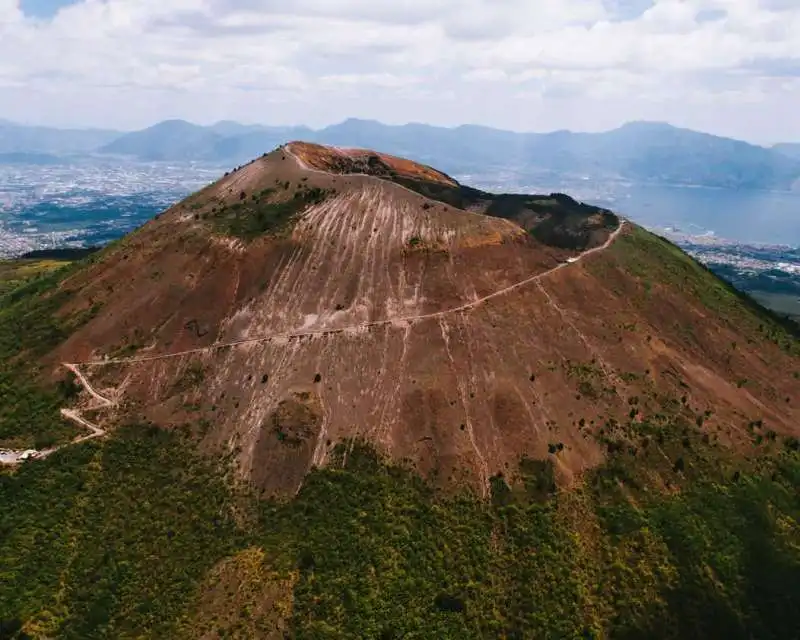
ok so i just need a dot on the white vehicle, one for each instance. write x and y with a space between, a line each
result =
29 454
571 260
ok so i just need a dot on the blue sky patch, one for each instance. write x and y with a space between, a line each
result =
623 10
44 9
710 15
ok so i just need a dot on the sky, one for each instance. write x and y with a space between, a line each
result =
729 67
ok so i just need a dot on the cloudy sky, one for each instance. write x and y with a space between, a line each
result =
730 67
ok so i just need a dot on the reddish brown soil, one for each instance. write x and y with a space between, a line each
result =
337 160
461 395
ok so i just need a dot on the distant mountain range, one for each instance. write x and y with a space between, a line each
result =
23 139
790 149
224 142
639 152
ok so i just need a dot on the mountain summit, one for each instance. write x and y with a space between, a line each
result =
441 411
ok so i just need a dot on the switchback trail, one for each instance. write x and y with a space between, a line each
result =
96 431
73 415
82 379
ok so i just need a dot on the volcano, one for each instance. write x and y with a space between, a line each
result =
338 393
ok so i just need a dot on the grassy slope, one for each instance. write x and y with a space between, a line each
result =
28 327
109 541
674 536
13 273
781 303
657 262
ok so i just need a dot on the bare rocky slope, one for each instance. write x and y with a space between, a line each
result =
355 306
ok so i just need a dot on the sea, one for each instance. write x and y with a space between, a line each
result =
743 216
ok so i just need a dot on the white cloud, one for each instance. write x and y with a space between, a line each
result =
584 64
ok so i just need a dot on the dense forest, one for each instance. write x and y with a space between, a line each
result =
141 537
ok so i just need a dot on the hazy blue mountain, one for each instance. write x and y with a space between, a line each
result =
246 146
790 149
232 128
659 152
640 152
168 140
18 138
22 157
224 142
457 150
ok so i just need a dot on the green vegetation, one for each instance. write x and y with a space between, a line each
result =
139 535
567 224
268 212
107 542
589 377
14 273
191 378
29 411
119 540
782 304
556 219
723 549
656 261
35 536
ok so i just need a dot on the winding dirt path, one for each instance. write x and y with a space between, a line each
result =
105 402
96 431
15 457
